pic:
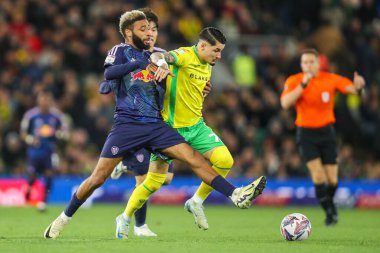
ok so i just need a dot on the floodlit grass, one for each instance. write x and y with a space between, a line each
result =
231 230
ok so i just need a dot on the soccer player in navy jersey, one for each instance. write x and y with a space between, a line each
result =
138 162
138 124
40 128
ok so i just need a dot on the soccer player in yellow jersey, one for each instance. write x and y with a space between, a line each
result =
183 104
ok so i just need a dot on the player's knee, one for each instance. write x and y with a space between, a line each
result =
96 181
222 158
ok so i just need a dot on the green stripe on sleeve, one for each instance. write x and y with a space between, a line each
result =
175 57
173 92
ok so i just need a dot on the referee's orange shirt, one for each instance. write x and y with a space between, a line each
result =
315 106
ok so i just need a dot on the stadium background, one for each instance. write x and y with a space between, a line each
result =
61 45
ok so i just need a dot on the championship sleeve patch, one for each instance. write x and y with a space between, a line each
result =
110 59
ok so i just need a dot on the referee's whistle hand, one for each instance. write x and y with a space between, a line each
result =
307 77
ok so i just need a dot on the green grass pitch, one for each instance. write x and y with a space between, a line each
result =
231 230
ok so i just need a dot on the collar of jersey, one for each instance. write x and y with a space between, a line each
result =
196 53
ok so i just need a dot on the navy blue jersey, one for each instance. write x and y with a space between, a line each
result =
137 95
43 127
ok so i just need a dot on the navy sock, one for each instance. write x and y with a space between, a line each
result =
140 215
220 184
73 206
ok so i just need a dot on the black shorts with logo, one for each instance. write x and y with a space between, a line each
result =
315 143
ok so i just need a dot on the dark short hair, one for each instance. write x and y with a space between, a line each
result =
150 15
212 35
310 51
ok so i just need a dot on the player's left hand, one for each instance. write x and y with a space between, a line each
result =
207 89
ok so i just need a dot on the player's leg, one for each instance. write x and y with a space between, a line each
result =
32 173
319 179
331 171
222 162
141 228
32 176
308 142
102 171
153 181
329 161
50 164
205 141
242 197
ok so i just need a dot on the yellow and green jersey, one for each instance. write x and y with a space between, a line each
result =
184 92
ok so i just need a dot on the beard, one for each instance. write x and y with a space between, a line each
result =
137 41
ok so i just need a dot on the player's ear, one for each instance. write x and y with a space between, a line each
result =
203 44
128 34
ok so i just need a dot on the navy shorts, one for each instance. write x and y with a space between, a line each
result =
127 138
39 164
317 143
138 162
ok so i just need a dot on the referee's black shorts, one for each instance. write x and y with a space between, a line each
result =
315 143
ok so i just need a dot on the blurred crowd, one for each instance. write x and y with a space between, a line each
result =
61 45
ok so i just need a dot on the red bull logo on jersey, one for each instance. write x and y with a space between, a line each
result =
143 75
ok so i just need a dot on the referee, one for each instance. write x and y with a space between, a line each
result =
312 92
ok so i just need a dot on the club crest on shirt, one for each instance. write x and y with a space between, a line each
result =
114 150
325 97
140 157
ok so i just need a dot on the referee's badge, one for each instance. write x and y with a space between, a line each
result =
325 97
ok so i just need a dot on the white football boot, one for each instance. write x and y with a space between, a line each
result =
197 210
55 228
122 227
242 197
143 230
119 170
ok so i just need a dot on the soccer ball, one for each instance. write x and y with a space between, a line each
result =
295 227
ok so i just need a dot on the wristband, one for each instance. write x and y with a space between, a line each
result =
160 62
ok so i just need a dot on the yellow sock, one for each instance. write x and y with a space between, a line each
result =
222 162
141 194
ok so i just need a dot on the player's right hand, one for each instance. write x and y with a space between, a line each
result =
307 76
162 73
207 89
